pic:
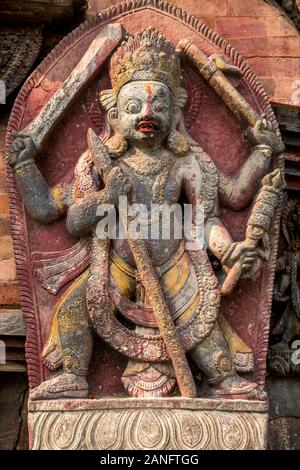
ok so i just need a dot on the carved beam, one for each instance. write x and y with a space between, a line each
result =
19 49
40 11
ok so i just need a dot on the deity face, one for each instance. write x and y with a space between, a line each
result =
144 112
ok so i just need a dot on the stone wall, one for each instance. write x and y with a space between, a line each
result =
260 32
9 294
284 413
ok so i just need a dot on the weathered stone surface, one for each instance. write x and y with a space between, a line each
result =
279 86
13 415
284 413
203 130
37 11
148 424
284 433
289 7
283 394
19 48
9 292
12 322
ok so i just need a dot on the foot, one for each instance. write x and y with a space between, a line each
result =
63 386
236 387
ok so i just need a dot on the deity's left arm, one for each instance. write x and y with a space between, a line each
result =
217 237
202 189
238 191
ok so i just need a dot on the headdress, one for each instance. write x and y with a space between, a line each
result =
147 55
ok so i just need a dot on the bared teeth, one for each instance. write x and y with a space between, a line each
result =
147 126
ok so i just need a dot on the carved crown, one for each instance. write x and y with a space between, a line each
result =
147 55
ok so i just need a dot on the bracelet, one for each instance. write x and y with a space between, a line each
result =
227 253
264 149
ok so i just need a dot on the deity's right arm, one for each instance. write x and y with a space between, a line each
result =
39 199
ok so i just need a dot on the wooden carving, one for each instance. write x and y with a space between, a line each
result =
283 352
181 119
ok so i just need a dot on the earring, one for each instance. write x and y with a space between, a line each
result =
117 145
177 143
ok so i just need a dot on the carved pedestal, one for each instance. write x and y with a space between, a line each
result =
169 423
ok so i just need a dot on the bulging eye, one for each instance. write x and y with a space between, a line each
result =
159 106
133 107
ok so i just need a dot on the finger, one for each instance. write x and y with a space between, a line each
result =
19 144
23 155
248 249
257 126
248 255
27 140
20 134
262 254
247 266
275 172
249 260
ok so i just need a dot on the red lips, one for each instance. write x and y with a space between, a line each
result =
147 126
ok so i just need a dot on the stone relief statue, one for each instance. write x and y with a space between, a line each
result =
283 357
154 301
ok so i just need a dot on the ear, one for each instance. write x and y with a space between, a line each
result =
181 98
177 143
112 117
176 117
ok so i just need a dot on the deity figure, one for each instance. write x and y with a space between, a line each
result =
153 160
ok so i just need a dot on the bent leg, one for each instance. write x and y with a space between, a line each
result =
75 339
212 357
75 334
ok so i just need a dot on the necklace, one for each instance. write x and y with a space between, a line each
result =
146 166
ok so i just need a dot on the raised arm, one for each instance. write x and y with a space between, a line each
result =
42 203
200 183
237 192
